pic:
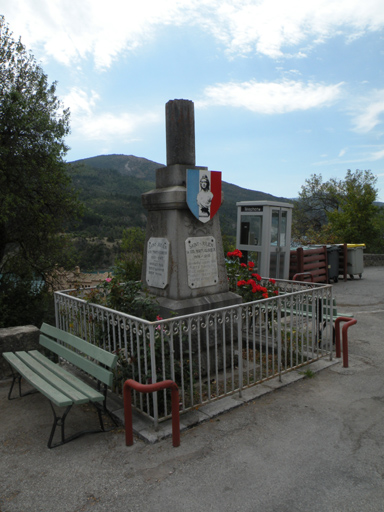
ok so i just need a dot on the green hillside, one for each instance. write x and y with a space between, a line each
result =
110 186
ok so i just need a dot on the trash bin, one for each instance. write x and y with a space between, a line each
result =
333 262
355 260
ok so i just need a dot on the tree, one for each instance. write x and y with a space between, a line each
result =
357 219
316 200
36 198
129 265
339 211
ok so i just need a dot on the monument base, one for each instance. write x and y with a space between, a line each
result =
173 307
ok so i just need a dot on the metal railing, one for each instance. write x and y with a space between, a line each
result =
211 354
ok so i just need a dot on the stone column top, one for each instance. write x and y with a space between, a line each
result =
180 132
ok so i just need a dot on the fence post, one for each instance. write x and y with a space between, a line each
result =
279 345
240 349
153 375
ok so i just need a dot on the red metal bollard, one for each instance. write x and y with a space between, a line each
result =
350 321
150 388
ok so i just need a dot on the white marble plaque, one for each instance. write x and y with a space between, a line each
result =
201 261
157 262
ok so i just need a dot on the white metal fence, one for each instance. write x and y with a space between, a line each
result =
211 354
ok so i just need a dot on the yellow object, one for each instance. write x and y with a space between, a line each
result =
356 245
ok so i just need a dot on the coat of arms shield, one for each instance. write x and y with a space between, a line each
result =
203 193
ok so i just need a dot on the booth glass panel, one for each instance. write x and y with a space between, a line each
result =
276 265
251 230
275 227
283 228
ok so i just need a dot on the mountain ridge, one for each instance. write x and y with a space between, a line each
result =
111 187
144 168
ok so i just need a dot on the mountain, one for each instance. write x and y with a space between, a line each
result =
111 186
124 165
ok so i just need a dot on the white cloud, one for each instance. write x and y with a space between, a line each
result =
80 102
342 152
73 30
271 97
368 112
377 155
105 126
359 155
88 123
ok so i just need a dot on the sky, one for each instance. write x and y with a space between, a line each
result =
282 89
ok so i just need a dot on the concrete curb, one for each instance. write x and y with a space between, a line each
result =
143 427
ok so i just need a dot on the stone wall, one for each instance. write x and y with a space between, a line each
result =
25 337
373 260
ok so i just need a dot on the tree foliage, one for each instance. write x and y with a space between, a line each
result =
316 200
357 219
128 266
339 211
35 196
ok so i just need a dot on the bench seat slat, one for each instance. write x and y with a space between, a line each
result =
91 393
38 382
75 395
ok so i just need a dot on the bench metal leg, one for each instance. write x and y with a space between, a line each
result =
59 421
17 377
103 409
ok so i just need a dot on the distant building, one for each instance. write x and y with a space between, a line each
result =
70 279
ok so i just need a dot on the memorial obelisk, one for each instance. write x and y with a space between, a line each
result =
184 265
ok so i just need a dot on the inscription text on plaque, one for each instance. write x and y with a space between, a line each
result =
157 262
201 261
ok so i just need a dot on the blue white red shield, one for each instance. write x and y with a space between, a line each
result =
203 193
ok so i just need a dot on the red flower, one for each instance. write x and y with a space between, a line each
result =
235 254
265 295
241 283
251 264
272 281
276 292
243 265
257 276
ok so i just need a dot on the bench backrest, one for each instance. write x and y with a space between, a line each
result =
328 310
75 351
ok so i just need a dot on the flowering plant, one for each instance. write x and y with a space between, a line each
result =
245 281
127 297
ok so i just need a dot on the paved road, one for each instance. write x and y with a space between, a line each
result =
315 445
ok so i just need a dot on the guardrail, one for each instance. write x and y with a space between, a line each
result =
211 354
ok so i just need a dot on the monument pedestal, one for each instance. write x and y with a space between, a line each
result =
184 265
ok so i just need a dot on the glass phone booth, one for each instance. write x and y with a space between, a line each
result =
264 236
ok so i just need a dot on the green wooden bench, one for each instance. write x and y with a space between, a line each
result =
61 387
307 310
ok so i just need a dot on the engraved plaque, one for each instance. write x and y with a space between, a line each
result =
157 262
201 261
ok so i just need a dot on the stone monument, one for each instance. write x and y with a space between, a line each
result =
184 264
